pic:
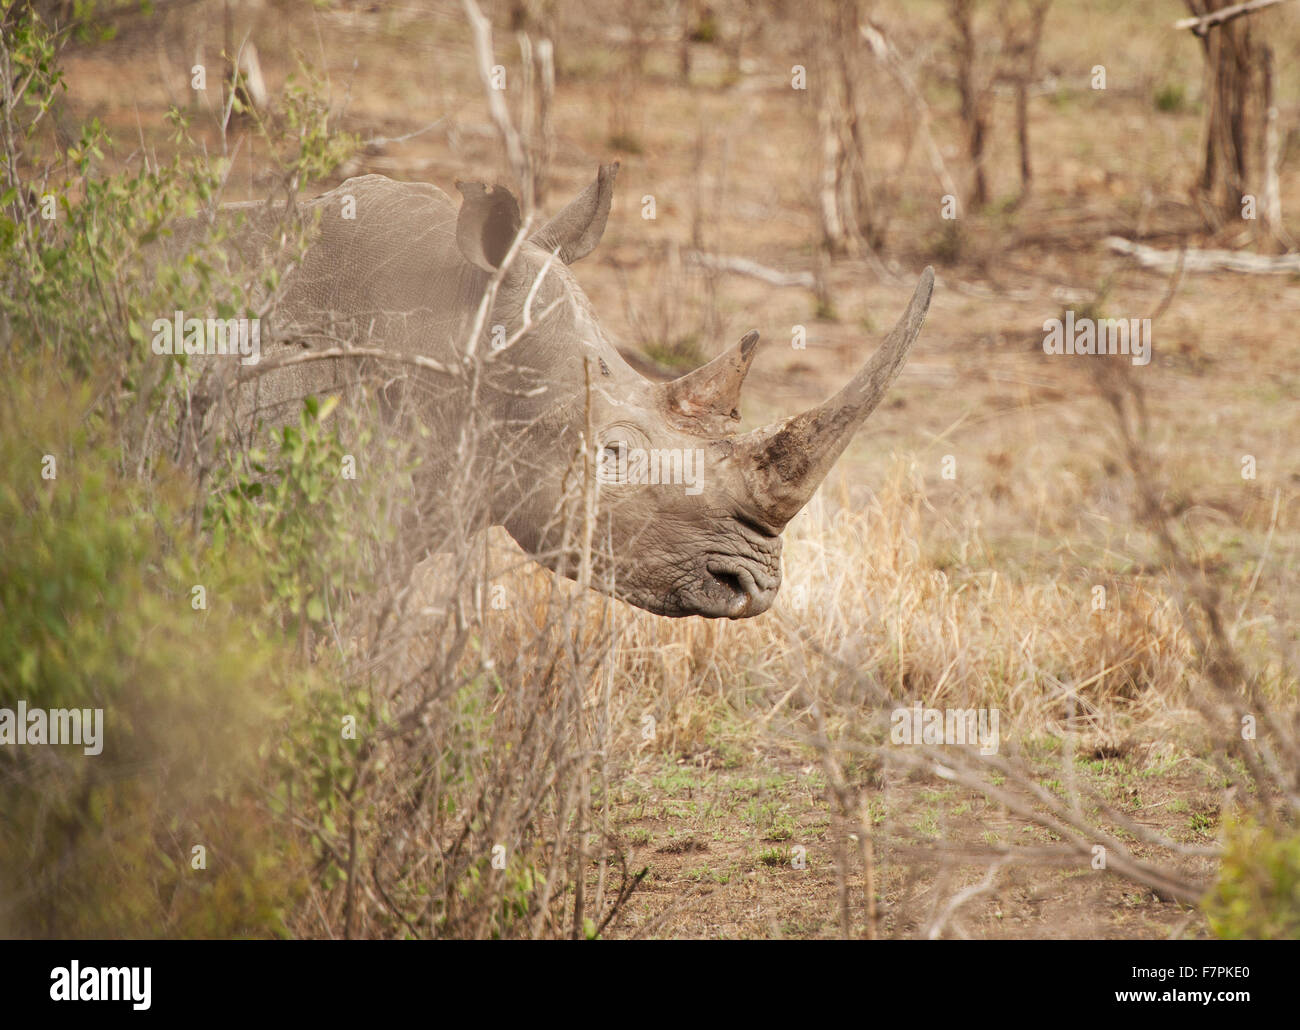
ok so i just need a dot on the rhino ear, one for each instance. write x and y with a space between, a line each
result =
577 229
487 224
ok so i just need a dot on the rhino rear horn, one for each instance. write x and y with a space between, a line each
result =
712 392
578 228
487 224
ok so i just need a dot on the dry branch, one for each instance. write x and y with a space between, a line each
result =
888 55
381 141
1166 261
1201 25
247 372
743 266
963 896
515 153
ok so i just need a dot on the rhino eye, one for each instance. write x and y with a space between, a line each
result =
611 463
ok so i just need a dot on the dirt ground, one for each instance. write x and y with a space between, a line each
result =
719 845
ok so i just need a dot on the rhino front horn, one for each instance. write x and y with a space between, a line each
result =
785 462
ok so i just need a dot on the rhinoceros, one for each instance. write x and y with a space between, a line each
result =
691 510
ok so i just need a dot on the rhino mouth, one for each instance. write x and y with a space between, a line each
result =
734 590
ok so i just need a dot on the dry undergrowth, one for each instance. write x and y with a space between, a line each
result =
853 579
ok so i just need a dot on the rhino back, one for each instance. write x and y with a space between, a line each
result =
382 270
391 271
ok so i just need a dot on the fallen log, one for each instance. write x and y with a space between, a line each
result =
1205 260
743 266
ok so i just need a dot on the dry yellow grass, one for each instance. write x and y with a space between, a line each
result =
858 591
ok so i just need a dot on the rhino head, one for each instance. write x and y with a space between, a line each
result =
690 510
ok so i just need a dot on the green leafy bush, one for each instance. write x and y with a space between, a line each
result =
98 610
292 745
1257 893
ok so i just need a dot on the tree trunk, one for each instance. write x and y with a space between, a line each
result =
974 99
1235 87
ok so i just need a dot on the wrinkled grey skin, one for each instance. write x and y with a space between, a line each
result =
407 274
